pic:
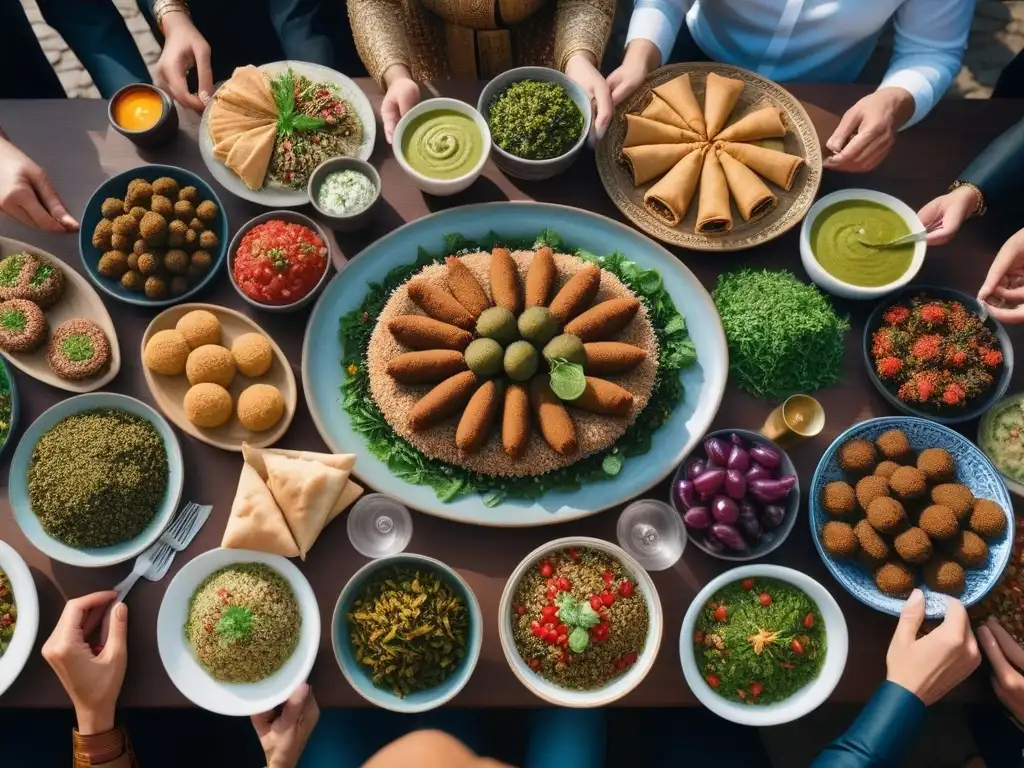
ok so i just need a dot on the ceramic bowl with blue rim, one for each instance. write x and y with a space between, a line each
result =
9 387
973 469
117 186
358 675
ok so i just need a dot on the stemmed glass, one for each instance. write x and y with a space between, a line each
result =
653 533
379 526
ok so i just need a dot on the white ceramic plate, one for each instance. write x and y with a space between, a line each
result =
274 196
808 698
179 659
27 602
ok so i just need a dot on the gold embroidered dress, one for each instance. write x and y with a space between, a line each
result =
476 39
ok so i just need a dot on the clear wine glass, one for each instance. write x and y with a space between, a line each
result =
653 533
379 526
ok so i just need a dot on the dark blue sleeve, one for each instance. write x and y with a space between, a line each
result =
999 170
881 734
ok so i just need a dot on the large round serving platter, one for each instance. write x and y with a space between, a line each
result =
703 382
79 300
274 196
801 139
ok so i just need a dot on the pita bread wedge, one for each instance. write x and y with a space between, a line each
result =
248 89
223 148
256 522
343 462
306 492
250 156
224 123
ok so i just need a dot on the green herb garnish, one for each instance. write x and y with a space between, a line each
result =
10 268
13 320
78 348
534 120
289 120
278 258
612 464
567 379
578 616
43 271
234 625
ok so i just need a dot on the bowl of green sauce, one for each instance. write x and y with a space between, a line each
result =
835 257
1001 437
442 144
539 120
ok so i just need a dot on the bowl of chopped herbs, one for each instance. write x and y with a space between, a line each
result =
763 645
539 119
9 409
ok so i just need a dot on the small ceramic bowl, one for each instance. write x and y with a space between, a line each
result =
345 222
27 602
520 167
291 217
1013 402
805 700
355 673
621 685
833 284
976 407
12 389
434 186
772 539
162 131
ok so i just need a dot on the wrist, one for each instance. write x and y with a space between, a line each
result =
93 721
901 103
644 53
174 20
396 72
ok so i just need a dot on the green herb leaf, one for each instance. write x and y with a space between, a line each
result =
305 123
567 379
612 464
568 609
579 639
588 616
234 625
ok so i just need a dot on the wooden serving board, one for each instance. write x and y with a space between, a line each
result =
169 391
79 300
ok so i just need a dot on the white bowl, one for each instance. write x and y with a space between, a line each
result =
1009 401
26 600
179 658
442 187
833 284
622 685
808 698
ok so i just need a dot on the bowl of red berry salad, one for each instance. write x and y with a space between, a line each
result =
279 261
580 622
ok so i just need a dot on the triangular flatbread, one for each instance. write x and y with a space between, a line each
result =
340 461
223 148
224 123
306 492
765 123
678 94
649 161
247 88
256 522
250 156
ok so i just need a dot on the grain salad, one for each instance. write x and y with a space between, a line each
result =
578 619
8 613
243 623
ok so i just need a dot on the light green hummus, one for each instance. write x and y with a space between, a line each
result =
836 242
442 144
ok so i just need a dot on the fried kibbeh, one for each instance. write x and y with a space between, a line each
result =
895 579
111 208
478 418
505 288
444 400
894 445
987 519
577 294
838 539
101 234
886 515
604 397
873 547
969 549
955 496
540 278
604 320
421 332
939 522
839 499
23 325
607 358
465 288
908 483
937 465
886 468
913 545
440 304
870 488
78 349
944 575
552 418
515 421
857 456
426 366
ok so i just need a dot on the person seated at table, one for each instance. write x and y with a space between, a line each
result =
801 42
27 194
406 43
1000 735
211 39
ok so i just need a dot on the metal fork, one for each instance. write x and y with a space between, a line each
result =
156 559
186 525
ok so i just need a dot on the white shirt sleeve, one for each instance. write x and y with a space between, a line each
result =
930 40
658 21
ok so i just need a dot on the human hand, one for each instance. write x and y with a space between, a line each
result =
931 666
640 58
27 194
950 210
581 69
402 95
185 48
92 679
868 130
1005 281
283 735
1007 660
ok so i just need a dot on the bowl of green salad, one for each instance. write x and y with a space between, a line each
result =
763 645
539 120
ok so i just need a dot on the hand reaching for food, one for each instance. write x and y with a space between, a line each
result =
1003 289
28 195
949 211
1007 660
867 132
402 95
283 735
641 57
582 69
185 48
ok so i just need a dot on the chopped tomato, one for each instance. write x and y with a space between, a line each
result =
809 620
279 262
756 688
747 584
721 613
713 680
765 599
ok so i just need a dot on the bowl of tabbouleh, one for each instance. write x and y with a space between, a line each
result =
9 407
19 615
763 645
407 632
238 631
539 120
580 622
96 479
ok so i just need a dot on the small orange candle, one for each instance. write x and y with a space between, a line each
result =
138 109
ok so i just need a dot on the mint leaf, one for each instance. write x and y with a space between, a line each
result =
568 609
579 639
234 625
612 464
588 616
567 379
650 281
305 123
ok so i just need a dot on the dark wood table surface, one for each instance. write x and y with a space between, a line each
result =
73 141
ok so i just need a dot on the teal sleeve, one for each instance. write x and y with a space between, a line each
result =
999 170
880 735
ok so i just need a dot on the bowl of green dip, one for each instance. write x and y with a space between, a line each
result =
442 144
836 259
1001 437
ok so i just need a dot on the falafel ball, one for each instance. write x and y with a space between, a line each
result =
939 522
189 194
208 405
176 261
176 233
886 468
133 262
200 327
944 575
139 189
191 241
955 496
260 407
207 210
111 208
101 235
120 242
148 264
969 549
937 465
184 210
166 352
913 545
894 445
153 228
210 363
137 212
908 483
140 247
886 515
857 455
179 284
166 186
838 539
252 353
872 545
870 488
199 264
838 498
208 240
132 280
895 579
113 264
162 206
125 224
197 225
987 519
156 288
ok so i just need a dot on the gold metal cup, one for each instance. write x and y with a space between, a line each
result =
799 418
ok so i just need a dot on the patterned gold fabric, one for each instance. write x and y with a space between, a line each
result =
471 39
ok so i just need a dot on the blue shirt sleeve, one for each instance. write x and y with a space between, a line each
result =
881 733
999 170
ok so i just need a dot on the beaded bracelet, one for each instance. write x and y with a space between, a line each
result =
980 208
162 7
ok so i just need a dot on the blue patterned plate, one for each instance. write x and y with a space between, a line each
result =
973 469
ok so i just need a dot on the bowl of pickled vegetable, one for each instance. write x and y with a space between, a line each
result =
763 645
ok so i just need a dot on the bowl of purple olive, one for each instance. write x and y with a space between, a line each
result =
738 495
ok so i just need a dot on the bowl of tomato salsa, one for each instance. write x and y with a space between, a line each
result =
279 261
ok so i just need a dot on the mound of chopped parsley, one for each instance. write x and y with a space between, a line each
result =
675 352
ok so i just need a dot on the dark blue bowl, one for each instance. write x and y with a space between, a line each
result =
12 388
117 186
974 408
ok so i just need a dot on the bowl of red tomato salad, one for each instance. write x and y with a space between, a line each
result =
279 261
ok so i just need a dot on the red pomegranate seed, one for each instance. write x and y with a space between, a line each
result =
546 569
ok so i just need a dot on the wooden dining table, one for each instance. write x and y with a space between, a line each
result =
74 142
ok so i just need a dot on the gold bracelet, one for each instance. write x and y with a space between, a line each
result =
979 208
162 7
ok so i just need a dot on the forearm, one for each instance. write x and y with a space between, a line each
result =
999 170
658 21
582 26
379 35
